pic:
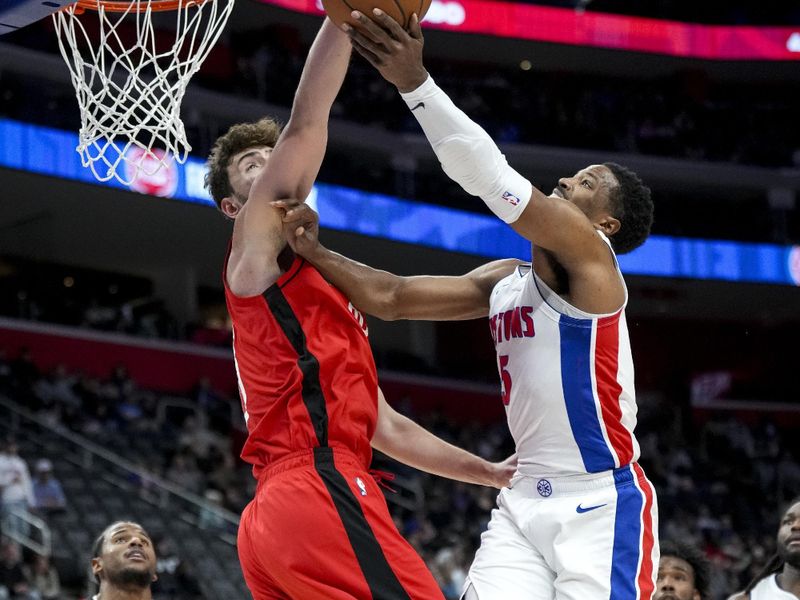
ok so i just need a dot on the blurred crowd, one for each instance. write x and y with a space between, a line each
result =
686 114
720 481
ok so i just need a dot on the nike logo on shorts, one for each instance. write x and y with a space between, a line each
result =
581 509
419 105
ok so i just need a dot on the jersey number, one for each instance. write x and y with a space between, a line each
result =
505 377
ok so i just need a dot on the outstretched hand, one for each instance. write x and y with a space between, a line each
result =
395 52
300 226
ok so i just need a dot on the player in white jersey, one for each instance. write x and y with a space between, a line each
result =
579 521
780 578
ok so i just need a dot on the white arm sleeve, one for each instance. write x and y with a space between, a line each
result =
467 153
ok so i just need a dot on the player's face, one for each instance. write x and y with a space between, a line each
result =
675 580
127 558
789 536
242 172
589 189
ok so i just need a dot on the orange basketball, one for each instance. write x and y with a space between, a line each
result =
400 10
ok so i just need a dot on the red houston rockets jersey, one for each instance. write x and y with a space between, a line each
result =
306 373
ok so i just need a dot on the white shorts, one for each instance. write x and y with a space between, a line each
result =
592 537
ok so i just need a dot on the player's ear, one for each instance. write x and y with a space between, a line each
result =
97 566
155 578
608 225
230 207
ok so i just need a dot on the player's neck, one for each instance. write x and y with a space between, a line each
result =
789 580
109 593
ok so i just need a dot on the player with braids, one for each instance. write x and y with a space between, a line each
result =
580 518
780 577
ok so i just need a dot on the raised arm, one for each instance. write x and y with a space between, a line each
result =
467 153
292 166
386 295
399 437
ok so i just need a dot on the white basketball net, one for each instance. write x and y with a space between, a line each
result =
130 84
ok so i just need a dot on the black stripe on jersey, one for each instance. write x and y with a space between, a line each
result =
308 363
383 583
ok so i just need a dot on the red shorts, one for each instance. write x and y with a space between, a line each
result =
319 529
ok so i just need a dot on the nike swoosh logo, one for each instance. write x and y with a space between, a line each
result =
581 509
420 105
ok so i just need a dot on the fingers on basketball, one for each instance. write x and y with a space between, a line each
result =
400 10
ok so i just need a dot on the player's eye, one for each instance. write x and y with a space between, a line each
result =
585 183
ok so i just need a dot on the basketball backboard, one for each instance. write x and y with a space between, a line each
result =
15 14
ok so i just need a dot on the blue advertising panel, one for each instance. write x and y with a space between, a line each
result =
52 152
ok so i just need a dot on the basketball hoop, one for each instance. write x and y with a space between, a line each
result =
130 78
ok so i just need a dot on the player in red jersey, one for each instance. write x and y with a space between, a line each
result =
319 527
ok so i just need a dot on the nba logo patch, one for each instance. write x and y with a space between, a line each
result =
361 486
511 198
544 488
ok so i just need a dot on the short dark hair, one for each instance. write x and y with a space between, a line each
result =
696 559
241 136
631 204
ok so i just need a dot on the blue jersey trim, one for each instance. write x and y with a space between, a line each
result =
576 382
627 536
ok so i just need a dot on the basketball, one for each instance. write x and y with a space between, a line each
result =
400 10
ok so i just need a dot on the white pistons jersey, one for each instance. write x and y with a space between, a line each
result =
567 380
768 589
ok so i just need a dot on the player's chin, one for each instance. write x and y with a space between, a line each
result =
792 554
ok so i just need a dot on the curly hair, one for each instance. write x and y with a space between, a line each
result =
701 566
631 204
241 136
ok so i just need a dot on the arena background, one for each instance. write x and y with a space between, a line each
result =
115 365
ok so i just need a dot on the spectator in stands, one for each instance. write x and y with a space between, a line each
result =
175 579
124 562
43 578
23 370
185 473
16 490
12 577
210 518
780 577
48 495
5 368
683 573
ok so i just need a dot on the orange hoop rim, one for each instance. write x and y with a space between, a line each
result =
134 6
